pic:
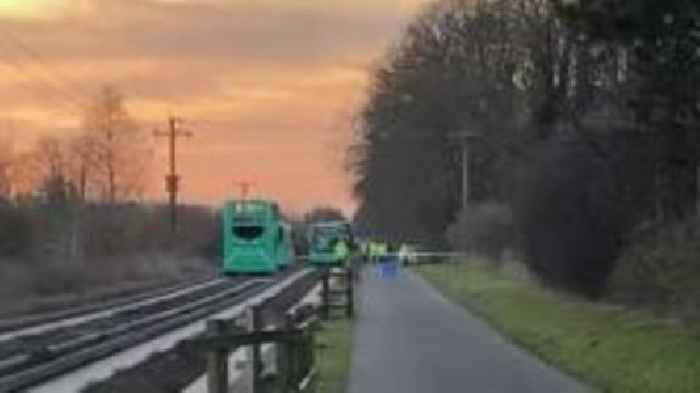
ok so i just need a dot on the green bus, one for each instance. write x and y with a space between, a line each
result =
256 240
322 237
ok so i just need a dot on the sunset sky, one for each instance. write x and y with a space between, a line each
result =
268 86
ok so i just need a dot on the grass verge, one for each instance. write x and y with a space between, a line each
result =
613 349
334 356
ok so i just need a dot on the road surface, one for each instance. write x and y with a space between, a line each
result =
409 339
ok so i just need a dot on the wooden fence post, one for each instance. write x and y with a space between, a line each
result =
325 295
294 358
310 348
254 357
217 361
284 353
307 358
357 269
350 293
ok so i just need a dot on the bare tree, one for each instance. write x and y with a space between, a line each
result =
80 164
112 153
51 155
6 159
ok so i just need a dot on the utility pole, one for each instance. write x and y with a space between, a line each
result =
245 187
172 179
465 137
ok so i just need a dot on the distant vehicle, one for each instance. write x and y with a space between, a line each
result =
256 240
286 252
322 239
407 253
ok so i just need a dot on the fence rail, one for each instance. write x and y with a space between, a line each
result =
347 278
294 360
292 333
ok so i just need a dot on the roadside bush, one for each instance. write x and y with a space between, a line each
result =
16 230
137 229
21 280
569 217
48 251
660 270
14 279
200 232
486 229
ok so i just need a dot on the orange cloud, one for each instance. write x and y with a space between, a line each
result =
267 84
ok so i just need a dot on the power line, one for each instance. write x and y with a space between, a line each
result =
68 103
63 86
245 186
67 81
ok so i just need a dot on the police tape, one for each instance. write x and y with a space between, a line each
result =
418 254
439 254
415 254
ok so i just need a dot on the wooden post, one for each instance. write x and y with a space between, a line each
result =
294 357
254 357
311 348
325 295
284 353
306 356
349 294
217 361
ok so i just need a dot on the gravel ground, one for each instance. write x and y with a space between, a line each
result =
57 309
35 343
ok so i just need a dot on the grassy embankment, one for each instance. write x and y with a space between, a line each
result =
334 356
612 349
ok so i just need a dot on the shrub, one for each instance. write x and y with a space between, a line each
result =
50 250
660 270
569 216
16 230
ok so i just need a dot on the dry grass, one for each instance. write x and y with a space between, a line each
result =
36 287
